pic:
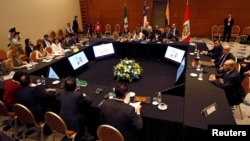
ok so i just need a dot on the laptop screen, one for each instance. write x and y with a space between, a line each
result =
52 74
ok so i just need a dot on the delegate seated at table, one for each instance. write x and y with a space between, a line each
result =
40 52
73 104
121 115
215 52
226 55
231 83
30 96
16 62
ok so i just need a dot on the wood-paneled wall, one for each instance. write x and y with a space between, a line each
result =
203 13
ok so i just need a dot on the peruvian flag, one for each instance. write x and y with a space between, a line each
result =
186 26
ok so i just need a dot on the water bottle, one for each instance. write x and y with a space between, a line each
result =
159 97
77 84
198 54
195 50
198 68
200 77
43 80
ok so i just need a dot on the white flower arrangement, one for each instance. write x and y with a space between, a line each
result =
127 69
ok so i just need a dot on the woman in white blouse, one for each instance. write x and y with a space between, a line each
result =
56 46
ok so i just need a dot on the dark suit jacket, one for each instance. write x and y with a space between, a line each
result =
66 44
122 116
215 52
218 61
72 103
232 86
28 50
167 35
31 98
226 23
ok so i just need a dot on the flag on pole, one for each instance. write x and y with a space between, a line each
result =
144 15
167 15
125 18
186 25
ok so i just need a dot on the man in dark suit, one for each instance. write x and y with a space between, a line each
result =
175 32
125 118
167 35
228 24
72 104
230 82
226 55
31 96
67 42
215 52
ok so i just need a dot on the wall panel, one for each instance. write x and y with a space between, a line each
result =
203 13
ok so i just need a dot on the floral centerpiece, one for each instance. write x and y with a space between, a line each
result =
127 69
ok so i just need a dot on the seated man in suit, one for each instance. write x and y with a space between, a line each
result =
122 116
30 96
215 52
73 104
230 82
226 55
167 35
67 42
175 32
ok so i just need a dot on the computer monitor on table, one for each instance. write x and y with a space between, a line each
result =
174 54
103 50
78 60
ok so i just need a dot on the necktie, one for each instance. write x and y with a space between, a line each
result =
222 59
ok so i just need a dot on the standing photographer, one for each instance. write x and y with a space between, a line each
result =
14 37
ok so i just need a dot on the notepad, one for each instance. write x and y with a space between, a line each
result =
144 99
82 82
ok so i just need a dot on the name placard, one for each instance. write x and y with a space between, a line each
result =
209 109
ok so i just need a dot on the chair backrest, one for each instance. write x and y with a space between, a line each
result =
57 124
109 133
52 34
237 67
162 30
24 114
108 28
245 84
235 31
8 64
221 29
3 55
33 56
48 50
13 47
60 35
117 28
246 31
9 54
214 29
3 109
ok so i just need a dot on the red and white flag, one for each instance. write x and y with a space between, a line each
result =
186 26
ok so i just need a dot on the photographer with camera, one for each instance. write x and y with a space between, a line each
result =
14 37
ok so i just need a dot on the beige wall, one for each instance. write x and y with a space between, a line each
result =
34 18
